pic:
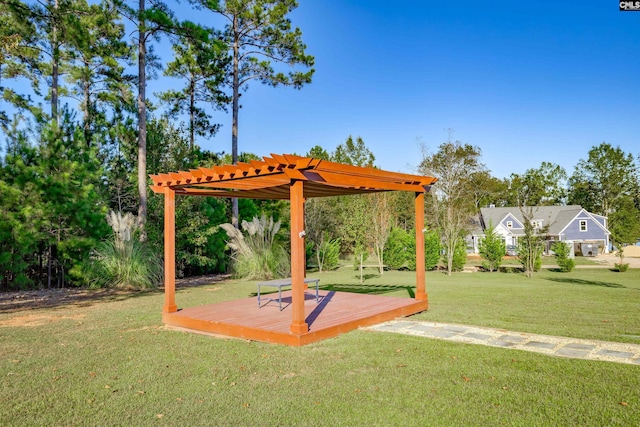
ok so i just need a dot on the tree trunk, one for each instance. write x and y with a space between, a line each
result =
49 269
192 109
235 213
380 255
142 125
86 95
319 258
55 72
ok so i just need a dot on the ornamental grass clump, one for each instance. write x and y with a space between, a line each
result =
257 254
124 261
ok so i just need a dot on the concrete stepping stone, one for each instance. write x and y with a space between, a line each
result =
539 344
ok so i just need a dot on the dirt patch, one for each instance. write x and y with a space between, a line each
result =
31 320
632 251
52 298
611 259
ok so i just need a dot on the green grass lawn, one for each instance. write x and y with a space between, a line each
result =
110 362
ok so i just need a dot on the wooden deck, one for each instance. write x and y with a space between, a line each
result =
335 313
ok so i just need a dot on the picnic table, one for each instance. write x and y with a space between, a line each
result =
280 283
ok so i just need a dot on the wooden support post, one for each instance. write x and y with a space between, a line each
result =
169 251
298 325
421 293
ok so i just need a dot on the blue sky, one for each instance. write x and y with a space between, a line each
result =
525 81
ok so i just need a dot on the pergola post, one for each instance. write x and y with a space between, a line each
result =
169 251
298 324
421 293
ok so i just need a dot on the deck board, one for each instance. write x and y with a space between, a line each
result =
334 314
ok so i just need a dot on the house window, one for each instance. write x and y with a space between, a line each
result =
509 224
583 225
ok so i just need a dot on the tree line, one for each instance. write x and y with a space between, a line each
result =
81 136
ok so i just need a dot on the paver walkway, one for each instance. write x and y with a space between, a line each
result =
550 345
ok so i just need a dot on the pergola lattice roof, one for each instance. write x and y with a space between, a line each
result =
271 178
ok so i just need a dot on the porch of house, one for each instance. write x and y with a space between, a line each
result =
335 313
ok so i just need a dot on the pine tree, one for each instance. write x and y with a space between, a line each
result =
258 34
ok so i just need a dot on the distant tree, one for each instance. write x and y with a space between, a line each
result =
319 226
51 203
320 214
40 55
97 55
531 245
353 153
317 152
355 213
607 183
454 164
624 223
543 186
151 23
200 65
381 221
258 34
19 59
200 242
487 189
492 248
605 177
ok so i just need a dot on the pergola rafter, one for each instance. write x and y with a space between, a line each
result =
294 178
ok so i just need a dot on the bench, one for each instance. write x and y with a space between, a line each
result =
280 283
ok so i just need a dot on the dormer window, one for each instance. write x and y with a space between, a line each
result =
583 225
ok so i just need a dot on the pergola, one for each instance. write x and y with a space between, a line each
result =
285 177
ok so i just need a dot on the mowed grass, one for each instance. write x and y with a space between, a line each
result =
110 362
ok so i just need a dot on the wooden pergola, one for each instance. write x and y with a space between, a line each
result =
294 178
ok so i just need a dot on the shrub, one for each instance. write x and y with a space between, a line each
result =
329 254
124 262
621 266
459 255
432 249
398 249
562 253
530 254
492 249
257 256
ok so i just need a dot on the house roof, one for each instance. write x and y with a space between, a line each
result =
271 178
556 217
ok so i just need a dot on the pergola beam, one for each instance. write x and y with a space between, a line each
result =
298 324
169 251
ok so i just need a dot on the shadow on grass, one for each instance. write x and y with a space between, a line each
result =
367 289
83 297
585 282
64 297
